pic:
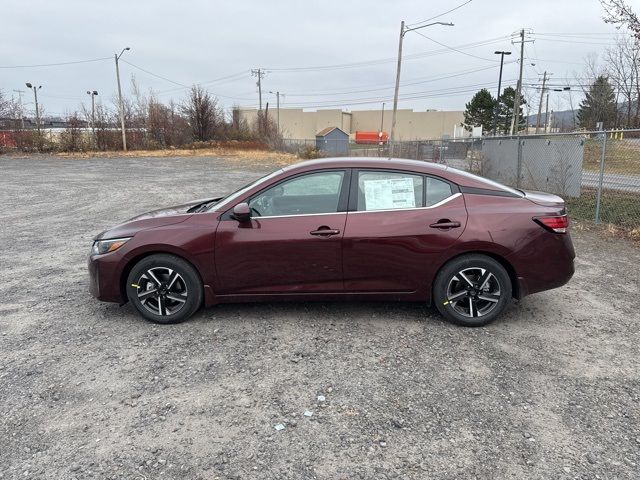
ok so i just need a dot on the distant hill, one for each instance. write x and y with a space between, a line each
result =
562 118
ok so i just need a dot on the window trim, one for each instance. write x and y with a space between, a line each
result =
435 205
353 196
343 197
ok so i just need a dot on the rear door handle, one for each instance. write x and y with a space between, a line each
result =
445 224
325 232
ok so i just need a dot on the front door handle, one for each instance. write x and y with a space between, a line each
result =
325 231
445 224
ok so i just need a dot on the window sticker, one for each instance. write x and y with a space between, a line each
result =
389 193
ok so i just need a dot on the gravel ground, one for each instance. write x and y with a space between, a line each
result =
90 390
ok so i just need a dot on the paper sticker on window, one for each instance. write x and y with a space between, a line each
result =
389 193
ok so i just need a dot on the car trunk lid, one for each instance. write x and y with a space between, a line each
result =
544 199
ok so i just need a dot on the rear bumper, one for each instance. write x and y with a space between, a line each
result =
550 265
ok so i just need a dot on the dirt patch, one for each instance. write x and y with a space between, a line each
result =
90 390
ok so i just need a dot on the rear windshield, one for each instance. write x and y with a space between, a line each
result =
489 183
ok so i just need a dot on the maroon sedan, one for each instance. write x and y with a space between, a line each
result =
371 229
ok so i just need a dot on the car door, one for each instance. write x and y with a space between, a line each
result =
292 244
397 226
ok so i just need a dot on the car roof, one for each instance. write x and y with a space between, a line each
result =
419 166
367 162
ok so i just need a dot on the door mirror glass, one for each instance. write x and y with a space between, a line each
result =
241 212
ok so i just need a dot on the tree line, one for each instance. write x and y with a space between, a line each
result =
197 121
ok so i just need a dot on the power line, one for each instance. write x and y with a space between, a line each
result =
379 61
155 74
441 14
390 86
406 96
455 49
57 64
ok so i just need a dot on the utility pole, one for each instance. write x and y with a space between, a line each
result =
20 92
260 74
277 94
382 122
497 112
35 95
544 84
403 32
124 132
516 103
546 115
93 94
392 137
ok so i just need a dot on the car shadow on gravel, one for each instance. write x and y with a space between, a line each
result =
312 312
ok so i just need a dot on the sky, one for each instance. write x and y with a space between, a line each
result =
328 54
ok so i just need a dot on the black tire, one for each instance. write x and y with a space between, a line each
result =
178 289
457 294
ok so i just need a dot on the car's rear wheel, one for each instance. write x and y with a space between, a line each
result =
164 288
472 290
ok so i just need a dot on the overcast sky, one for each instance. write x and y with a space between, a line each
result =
191 42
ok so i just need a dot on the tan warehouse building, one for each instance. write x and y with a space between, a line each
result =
295 123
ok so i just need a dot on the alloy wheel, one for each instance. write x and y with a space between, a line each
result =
473 292
161 291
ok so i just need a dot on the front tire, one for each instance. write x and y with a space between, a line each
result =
472 290
164 289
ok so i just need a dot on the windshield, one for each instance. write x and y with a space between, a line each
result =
242 190
491 183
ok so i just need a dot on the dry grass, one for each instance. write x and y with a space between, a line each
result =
622 156
250 156
607 229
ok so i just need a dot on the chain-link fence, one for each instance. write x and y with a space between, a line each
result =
597 173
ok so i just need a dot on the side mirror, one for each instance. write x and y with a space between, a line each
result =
242 212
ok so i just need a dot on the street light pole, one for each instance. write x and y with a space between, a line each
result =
35 95
124 134
93 94
403 31
497 112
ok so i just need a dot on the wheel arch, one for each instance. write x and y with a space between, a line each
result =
131 262
515 286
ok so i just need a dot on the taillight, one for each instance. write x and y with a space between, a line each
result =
555 224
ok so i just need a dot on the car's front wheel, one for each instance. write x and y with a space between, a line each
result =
164 288
472 290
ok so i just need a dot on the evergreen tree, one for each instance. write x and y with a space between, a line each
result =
507 101
599 105
480 111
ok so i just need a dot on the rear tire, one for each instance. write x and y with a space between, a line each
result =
472 290
164 289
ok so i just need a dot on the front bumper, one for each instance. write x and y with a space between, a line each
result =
104 278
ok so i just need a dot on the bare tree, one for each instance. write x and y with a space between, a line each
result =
9 112
619 13
202 113
622 63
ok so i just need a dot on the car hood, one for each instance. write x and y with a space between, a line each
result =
155 218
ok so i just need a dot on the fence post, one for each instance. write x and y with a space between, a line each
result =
600 179
519 167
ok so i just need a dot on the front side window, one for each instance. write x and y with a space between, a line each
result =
389 191
303 195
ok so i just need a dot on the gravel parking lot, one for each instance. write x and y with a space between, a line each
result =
90 390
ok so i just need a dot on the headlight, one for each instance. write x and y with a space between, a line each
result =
106 246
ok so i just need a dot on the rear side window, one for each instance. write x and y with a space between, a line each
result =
437 190
389 191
